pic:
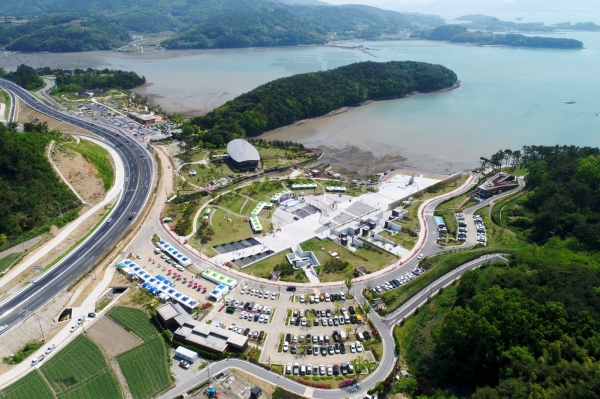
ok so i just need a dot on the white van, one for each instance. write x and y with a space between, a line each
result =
157 250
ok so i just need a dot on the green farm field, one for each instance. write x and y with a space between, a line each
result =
135 320
145 369
75 364
32 385
100 386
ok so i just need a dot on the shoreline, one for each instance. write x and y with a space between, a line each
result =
342 110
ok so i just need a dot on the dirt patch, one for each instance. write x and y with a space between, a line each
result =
111 337
26 114
257 382
351 158
82 175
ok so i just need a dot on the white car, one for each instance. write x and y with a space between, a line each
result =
243 291
285 347
73 328
329 370
288 368
352 348
80 319
420 256
322 369
50 349
273 296
359 347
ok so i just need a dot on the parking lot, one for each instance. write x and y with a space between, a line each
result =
317 335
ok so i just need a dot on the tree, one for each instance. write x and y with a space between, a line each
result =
366 307
338 306
360 364
349 284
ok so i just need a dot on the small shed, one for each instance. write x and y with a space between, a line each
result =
186 354
360 271
255 393
378 304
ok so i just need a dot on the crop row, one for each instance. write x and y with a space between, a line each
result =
145 369
30 386
135 320
101 386
76 362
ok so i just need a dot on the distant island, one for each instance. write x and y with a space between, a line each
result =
493 24
460 34
287 100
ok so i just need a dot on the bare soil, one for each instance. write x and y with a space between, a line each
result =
27 114
111 337
81 174
350 158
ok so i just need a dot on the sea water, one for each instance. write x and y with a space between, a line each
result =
509 97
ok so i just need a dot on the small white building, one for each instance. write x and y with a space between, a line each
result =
186 354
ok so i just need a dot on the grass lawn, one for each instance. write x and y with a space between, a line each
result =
145 369
97 156
414 336
135 320
497 236
265 267
33 385
237 203
362 257
440 265
75 364
402 238
102 385
262 191
8 261
226 232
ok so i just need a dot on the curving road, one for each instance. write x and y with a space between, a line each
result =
138 181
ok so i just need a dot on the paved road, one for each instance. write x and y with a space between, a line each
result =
138 178
384 326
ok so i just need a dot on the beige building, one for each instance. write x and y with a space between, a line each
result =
199 334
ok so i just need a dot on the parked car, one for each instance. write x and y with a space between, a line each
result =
50 349
285 347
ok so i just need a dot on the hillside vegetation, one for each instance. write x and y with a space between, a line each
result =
259 28
63 26
71 81
33 197
530 328
62 33
287 100
460 34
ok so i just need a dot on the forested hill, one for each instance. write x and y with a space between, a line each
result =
287 100
297 25
62 33
33 197
460 34
259 28
65 25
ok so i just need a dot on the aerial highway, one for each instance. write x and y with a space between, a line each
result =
139 171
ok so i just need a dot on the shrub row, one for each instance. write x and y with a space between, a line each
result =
313 384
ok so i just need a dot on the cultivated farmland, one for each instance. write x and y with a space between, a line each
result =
30 386
135 320
103 385
74 363
145 369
